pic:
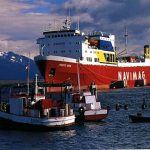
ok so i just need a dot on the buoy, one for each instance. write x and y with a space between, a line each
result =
81 116
81 110
108 107
125 107
144 104
117 107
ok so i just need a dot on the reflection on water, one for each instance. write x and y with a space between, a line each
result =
67 134
116 132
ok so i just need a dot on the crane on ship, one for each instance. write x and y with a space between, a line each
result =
125 49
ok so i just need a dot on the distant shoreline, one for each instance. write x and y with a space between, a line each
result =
10 82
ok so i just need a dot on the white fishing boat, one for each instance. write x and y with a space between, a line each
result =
23 110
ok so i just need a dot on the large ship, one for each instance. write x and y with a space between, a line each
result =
69 55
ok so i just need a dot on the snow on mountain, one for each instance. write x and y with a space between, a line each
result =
12 66
2 53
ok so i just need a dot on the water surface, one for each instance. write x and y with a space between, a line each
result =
117 132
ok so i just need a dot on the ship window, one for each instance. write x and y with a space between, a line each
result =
55 52
58 35
52 72
107 57
96 59
68 34
62 35
81 58
63 51
55 35
112 58
89 59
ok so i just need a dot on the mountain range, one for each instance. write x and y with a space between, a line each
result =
15 67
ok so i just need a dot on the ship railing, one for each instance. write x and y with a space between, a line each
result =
98 33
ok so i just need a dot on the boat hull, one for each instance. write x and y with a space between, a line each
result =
140 119
105 76
11 121
99 117
92 115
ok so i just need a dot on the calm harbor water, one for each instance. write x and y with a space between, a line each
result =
117 132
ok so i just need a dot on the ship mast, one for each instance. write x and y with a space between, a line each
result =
28 75
125 49
36 87
126 36
78 75
78 23
67 23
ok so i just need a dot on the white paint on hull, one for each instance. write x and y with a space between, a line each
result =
53 121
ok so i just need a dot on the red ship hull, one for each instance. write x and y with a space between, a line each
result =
95 117
102 75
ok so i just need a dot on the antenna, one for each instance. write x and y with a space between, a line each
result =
78 75
78 23
28 75
126 35
67 23
36 86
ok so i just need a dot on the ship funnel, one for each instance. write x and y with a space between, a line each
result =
146 52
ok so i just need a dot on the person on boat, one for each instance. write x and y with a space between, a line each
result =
93 89
67 89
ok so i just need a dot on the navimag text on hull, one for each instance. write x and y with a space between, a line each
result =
64 51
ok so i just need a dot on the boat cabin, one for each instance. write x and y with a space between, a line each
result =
86 100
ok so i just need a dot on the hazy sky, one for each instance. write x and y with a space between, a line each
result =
23 21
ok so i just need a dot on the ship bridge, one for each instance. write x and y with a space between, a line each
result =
65 43
99 47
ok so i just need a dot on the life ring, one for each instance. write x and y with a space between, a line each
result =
81 110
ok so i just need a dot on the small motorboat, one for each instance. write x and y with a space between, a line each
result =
139 118
86 106
24 110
